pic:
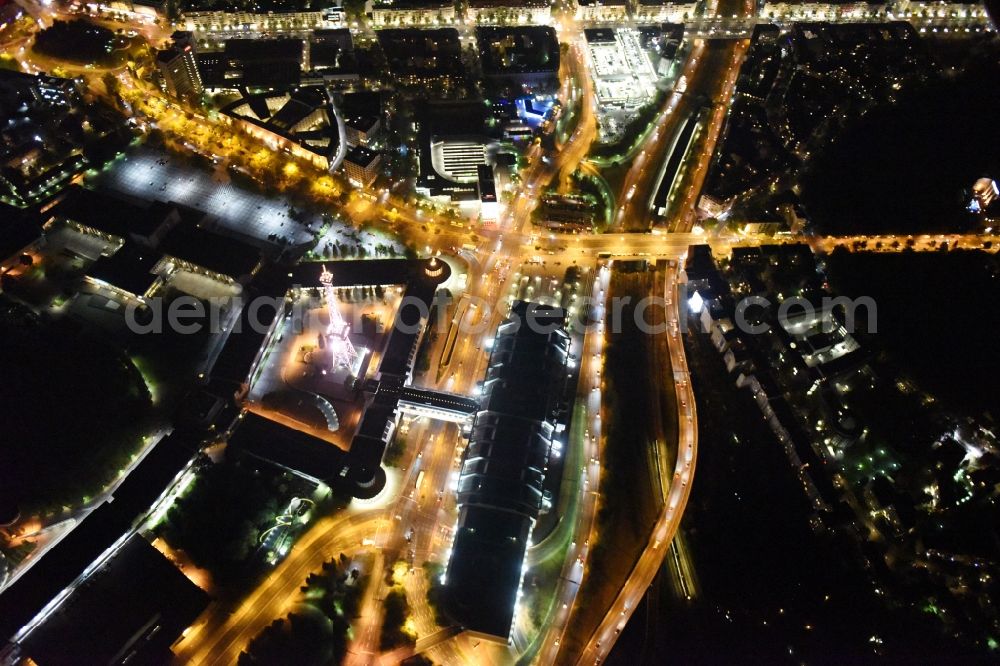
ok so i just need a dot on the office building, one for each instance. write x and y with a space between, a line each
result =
361 166
489 203
179 71
450 145
500 487
300 122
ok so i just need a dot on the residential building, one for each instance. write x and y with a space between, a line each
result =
601 11
331 54
423 57
267 63
404 13
819 11
658 11
202 22
508 12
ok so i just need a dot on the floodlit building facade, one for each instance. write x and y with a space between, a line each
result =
508 12
406 13
657 11
218 21
601 11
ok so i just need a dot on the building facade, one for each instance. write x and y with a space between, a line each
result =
601 11
405 13
657 11
361 166
218 21
179 71
508 12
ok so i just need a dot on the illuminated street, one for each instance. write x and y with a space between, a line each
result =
326 468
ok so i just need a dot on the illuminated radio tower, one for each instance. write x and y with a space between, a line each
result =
338 332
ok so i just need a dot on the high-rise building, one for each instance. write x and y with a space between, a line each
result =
179 71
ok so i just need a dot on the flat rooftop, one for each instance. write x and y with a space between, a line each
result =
485 569
68 559
293 449
261 50
503 468
361 156
130 610
129 269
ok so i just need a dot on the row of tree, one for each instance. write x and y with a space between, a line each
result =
317 631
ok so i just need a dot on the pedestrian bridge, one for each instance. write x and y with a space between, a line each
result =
437 405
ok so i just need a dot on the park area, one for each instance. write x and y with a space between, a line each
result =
84 42
74 413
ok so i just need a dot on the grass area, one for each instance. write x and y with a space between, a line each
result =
633 412
542 579
436 592
539 596
423 361
298 405
394 452
614 176
8 61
